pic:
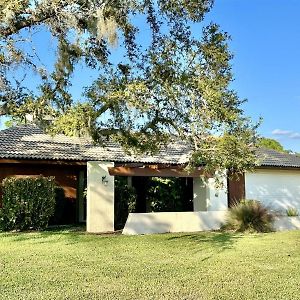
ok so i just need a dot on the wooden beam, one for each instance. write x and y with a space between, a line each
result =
150 171
130 165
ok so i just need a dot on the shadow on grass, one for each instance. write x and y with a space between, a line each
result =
69 234
216 241
70 231
65 228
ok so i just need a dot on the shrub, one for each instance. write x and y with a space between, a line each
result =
169 194
292 212
27 203
125 201
249 215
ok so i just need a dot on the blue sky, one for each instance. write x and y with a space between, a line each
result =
265 42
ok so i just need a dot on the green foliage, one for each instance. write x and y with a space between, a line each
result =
270 144
27 203
168 194
177 83
125 201
292 212
11 122
249 216
77 121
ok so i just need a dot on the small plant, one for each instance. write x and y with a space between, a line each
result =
292 212
251 216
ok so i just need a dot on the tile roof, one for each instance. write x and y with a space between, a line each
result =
272 158
30 142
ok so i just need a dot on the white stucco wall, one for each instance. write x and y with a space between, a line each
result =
200 194
163 222
217 197
100 197
278 189
287 223
207 197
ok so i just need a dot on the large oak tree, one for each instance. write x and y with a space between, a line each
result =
172 81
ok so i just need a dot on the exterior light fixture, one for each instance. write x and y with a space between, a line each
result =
104 180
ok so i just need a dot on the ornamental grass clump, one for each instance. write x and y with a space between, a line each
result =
249 216
292 212
27 203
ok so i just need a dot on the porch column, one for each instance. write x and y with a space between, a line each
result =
100 197
200 192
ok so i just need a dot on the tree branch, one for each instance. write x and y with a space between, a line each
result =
25 23
44 15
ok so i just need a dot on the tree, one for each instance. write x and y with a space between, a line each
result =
175 83
270 144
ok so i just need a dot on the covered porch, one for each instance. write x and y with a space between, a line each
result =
208 204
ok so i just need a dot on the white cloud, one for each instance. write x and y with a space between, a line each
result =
295 136
288 133
281 132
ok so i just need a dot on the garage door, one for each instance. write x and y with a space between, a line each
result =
278 189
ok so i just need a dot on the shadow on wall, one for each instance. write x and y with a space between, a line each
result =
278 198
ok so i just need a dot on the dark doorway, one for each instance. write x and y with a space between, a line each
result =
236 189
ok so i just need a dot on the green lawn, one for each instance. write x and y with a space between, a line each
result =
75 265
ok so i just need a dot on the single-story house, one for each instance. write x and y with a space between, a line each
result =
77 163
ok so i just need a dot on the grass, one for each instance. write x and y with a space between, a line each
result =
63 264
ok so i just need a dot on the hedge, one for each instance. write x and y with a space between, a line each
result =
27 203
